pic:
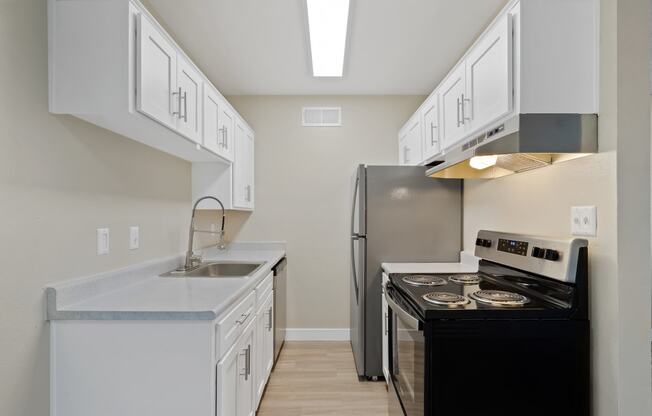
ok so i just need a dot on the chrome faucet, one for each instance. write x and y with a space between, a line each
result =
193 261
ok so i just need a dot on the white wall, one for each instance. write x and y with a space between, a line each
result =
617 181
303 187
60 179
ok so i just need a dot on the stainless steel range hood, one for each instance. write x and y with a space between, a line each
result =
521 143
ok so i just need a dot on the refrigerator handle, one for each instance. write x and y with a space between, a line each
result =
355 202
354 274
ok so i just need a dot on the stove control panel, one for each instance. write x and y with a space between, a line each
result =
551 257
513 246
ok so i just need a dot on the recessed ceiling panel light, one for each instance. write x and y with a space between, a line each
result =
327 22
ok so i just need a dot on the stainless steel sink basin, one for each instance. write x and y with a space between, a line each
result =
218 269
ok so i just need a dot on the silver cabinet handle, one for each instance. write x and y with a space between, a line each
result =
178 112
246 371
405 154
459 123
432 134
248 192
464 117
386 323
248 362
226 137
223 140
185 106
269 319
244 317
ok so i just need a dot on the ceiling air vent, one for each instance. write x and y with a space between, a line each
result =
321 116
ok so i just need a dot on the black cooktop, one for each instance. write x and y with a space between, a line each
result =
527 296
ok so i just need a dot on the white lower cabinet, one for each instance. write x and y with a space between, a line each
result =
166 368
264 357
245 389
226 390
385 320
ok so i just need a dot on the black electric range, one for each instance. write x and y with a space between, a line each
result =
511 339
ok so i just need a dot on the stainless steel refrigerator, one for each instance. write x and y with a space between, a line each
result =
398 215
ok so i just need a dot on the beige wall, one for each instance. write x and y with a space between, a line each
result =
303 186
617 181
60 179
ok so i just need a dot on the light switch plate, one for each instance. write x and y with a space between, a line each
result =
134 238
584 221
102 241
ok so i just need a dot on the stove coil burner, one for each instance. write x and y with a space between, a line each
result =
465 279
500 298
445 299
424 280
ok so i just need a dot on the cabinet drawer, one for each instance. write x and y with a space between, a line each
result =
264 288
229 328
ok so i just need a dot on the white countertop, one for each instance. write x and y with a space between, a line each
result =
138 293
468 264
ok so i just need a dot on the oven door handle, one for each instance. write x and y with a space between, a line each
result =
405 317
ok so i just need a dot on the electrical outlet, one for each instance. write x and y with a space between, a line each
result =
584 221
102 241
134 238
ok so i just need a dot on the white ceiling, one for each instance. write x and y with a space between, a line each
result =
251 47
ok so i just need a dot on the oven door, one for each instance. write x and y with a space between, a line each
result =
406 356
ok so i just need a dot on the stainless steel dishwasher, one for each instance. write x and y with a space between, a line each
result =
280 306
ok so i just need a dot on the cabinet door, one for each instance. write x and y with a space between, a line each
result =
268 353
243 167
489 76
189 87
385 321
411 148
430 115
245 382
228 374
156 75
214 139
264 353
452 93
227 130
402 147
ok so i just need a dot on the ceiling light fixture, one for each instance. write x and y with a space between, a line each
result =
327 23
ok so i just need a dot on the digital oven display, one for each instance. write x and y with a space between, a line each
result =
513 246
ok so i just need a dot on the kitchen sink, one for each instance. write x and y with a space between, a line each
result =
218 269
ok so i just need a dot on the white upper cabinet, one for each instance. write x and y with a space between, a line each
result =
113 65
243 172
452 92
431 126
410 142
226 122
218 124
169 89
156 75
489 77
212 136
537 56
189 97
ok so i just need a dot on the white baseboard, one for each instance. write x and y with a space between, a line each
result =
317 334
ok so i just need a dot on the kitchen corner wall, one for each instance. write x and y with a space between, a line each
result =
60 179
617 181
303 192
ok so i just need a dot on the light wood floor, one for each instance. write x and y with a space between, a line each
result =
319 378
